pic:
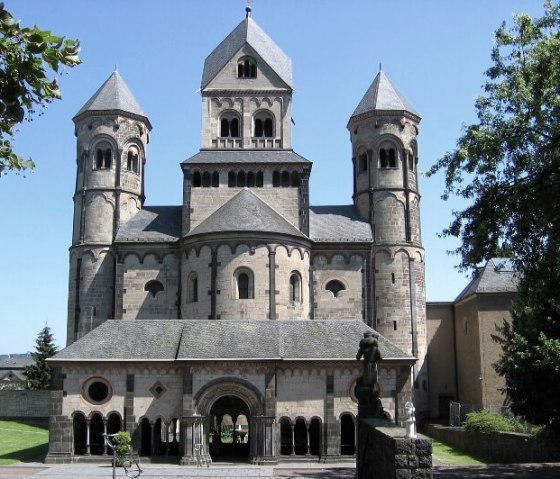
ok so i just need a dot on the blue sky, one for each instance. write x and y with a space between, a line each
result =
434 51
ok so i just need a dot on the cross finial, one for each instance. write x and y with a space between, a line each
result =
380 69
248 9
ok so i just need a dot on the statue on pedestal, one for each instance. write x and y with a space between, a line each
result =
367 390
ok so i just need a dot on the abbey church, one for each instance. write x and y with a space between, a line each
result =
229 325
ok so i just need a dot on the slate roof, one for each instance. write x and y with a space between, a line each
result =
498 275
246 212
247 32
114 94
338 224
382 95
152 224
245 156
15 361
199 340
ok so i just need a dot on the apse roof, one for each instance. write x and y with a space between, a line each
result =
247 32
246 212
114 94
382 95
338 224
208 340
152 224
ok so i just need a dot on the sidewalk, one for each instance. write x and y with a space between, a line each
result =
285 471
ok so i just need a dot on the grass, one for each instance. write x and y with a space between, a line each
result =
21 442
451 456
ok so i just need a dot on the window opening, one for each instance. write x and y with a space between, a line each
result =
387 158
247 68
263 125
206 179
197 181
258 127
241 179
362 163
243 286
286 179
231 179
132 161
295 179
229 125
295 288
276 179
335 287
103 158
259 182
268 128
250 179
215 179
153 287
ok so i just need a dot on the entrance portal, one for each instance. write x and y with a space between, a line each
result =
229 429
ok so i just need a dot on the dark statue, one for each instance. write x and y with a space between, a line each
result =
367 389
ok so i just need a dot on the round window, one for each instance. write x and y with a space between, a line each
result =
97 390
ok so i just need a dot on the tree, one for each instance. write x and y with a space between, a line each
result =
39 374
27 56
507 165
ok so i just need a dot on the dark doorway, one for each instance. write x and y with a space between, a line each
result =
145 438
96 429
347 435
80 433
229 430
315 437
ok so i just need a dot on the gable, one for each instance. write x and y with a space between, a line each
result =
266 77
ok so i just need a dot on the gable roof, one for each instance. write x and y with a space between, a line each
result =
328 224
152 224
247 32
382 95
199 340
246 212
113 95
498 275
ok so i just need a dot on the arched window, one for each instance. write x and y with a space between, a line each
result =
263 125
192 293
103 156
285 179
295 179
153 287
229 125
215 179
295 288
241 179
247 68
197 179
244 283
362 162
232 180
206 179
387 157
250 179
335 287
259 179
276 179
132 160
286 437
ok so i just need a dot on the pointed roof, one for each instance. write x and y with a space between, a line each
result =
382 95
498 275
247 32
113 95
246 212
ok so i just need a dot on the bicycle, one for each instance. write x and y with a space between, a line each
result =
130 462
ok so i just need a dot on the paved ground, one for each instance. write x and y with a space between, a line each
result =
286 471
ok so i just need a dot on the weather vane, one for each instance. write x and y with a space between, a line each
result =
248 8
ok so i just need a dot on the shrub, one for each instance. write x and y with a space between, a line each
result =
486 421
123 446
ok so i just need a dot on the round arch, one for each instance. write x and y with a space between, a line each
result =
218 388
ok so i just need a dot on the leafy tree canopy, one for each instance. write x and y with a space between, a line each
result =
507 166
27 56
39 374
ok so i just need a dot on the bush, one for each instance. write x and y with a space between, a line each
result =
123 446
486 421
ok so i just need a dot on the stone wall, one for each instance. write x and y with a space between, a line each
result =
384 453
25 405
504 447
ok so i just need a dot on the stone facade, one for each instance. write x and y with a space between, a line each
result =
291 286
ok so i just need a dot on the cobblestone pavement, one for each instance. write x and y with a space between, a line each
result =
284 471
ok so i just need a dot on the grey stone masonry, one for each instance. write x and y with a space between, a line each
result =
384 453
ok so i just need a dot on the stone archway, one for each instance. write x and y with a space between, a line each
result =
243 399
229 429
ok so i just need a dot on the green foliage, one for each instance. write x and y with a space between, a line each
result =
27 56
123 446
507 165
39 374
486 421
